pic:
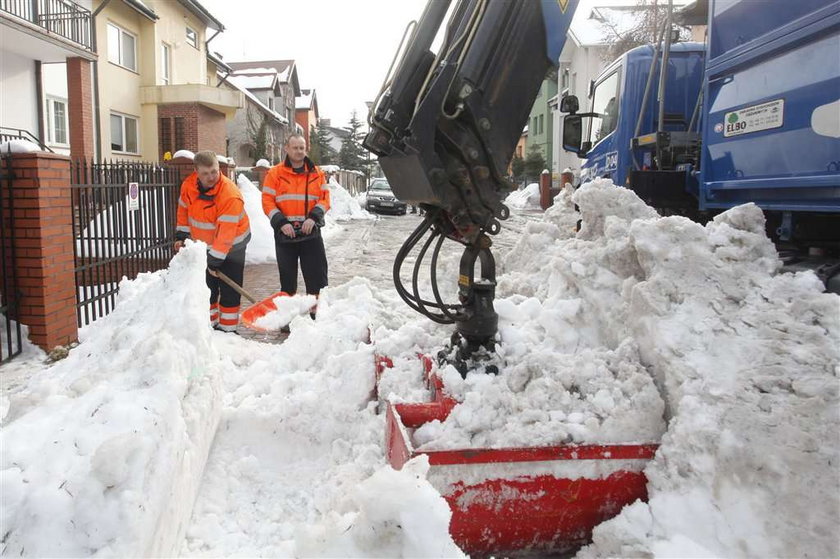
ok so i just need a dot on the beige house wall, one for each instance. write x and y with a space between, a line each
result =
119 87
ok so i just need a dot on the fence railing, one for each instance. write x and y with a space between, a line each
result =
124 224
61 17
7 134
10 329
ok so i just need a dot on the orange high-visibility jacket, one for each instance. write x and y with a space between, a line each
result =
290 197
215 215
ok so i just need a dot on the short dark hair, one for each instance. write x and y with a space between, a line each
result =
295 135
205 158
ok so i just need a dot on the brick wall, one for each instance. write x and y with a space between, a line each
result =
43 232
80 108
203 128
212 132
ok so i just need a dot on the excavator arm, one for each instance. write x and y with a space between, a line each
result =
445 126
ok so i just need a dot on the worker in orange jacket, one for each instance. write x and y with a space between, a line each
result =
211 209
295 197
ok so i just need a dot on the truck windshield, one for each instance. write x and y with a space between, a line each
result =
605 103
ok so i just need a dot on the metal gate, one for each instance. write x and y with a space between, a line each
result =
123 224
10 329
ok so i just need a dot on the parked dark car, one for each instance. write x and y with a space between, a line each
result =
380 198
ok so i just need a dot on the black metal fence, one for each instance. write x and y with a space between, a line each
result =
123 223
62 17
10 330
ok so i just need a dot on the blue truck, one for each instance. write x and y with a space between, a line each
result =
752 115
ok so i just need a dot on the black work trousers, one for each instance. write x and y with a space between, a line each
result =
313 263
220 292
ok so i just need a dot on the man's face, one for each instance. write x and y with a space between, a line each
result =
296 150
208 175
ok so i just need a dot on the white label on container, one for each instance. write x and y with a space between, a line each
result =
754 119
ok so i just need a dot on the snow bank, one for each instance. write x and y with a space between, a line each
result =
18 146
526 199
399 515
343 206
746 360
260 248
298 468
102 452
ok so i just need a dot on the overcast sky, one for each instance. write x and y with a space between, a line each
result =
342 47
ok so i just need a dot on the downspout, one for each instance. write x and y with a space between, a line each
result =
39 93
95 49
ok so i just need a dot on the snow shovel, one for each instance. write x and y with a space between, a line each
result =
258 309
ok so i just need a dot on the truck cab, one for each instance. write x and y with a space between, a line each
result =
606 137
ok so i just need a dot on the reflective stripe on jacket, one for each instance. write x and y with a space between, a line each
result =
290 197
216 216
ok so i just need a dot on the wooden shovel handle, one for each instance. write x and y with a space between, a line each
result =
236 287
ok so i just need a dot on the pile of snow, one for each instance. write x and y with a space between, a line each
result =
546 397
329 168
746 360
297 467
185 153
103 451
260 249
343 206
106 452
526 199
18 146
287 309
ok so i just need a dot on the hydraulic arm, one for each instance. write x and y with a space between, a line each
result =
445 126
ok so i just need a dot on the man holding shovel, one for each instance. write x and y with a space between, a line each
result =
211 209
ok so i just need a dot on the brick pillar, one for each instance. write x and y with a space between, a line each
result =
546 201
80 107
43 232
184 166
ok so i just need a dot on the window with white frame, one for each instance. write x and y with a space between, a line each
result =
57 121
165 63
124 130
192 37
122 47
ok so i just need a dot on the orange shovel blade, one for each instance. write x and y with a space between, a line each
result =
253 313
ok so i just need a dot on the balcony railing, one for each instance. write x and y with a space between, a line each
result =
60 17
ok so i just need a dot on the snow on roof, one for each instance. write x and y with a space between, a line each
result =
254 99
253 82
304 101
260 71
283 68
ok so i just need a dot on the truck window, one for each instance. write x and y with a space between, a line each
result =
605 103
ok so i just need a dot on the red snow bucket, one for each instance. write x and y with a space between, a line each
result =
532 510
258 310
